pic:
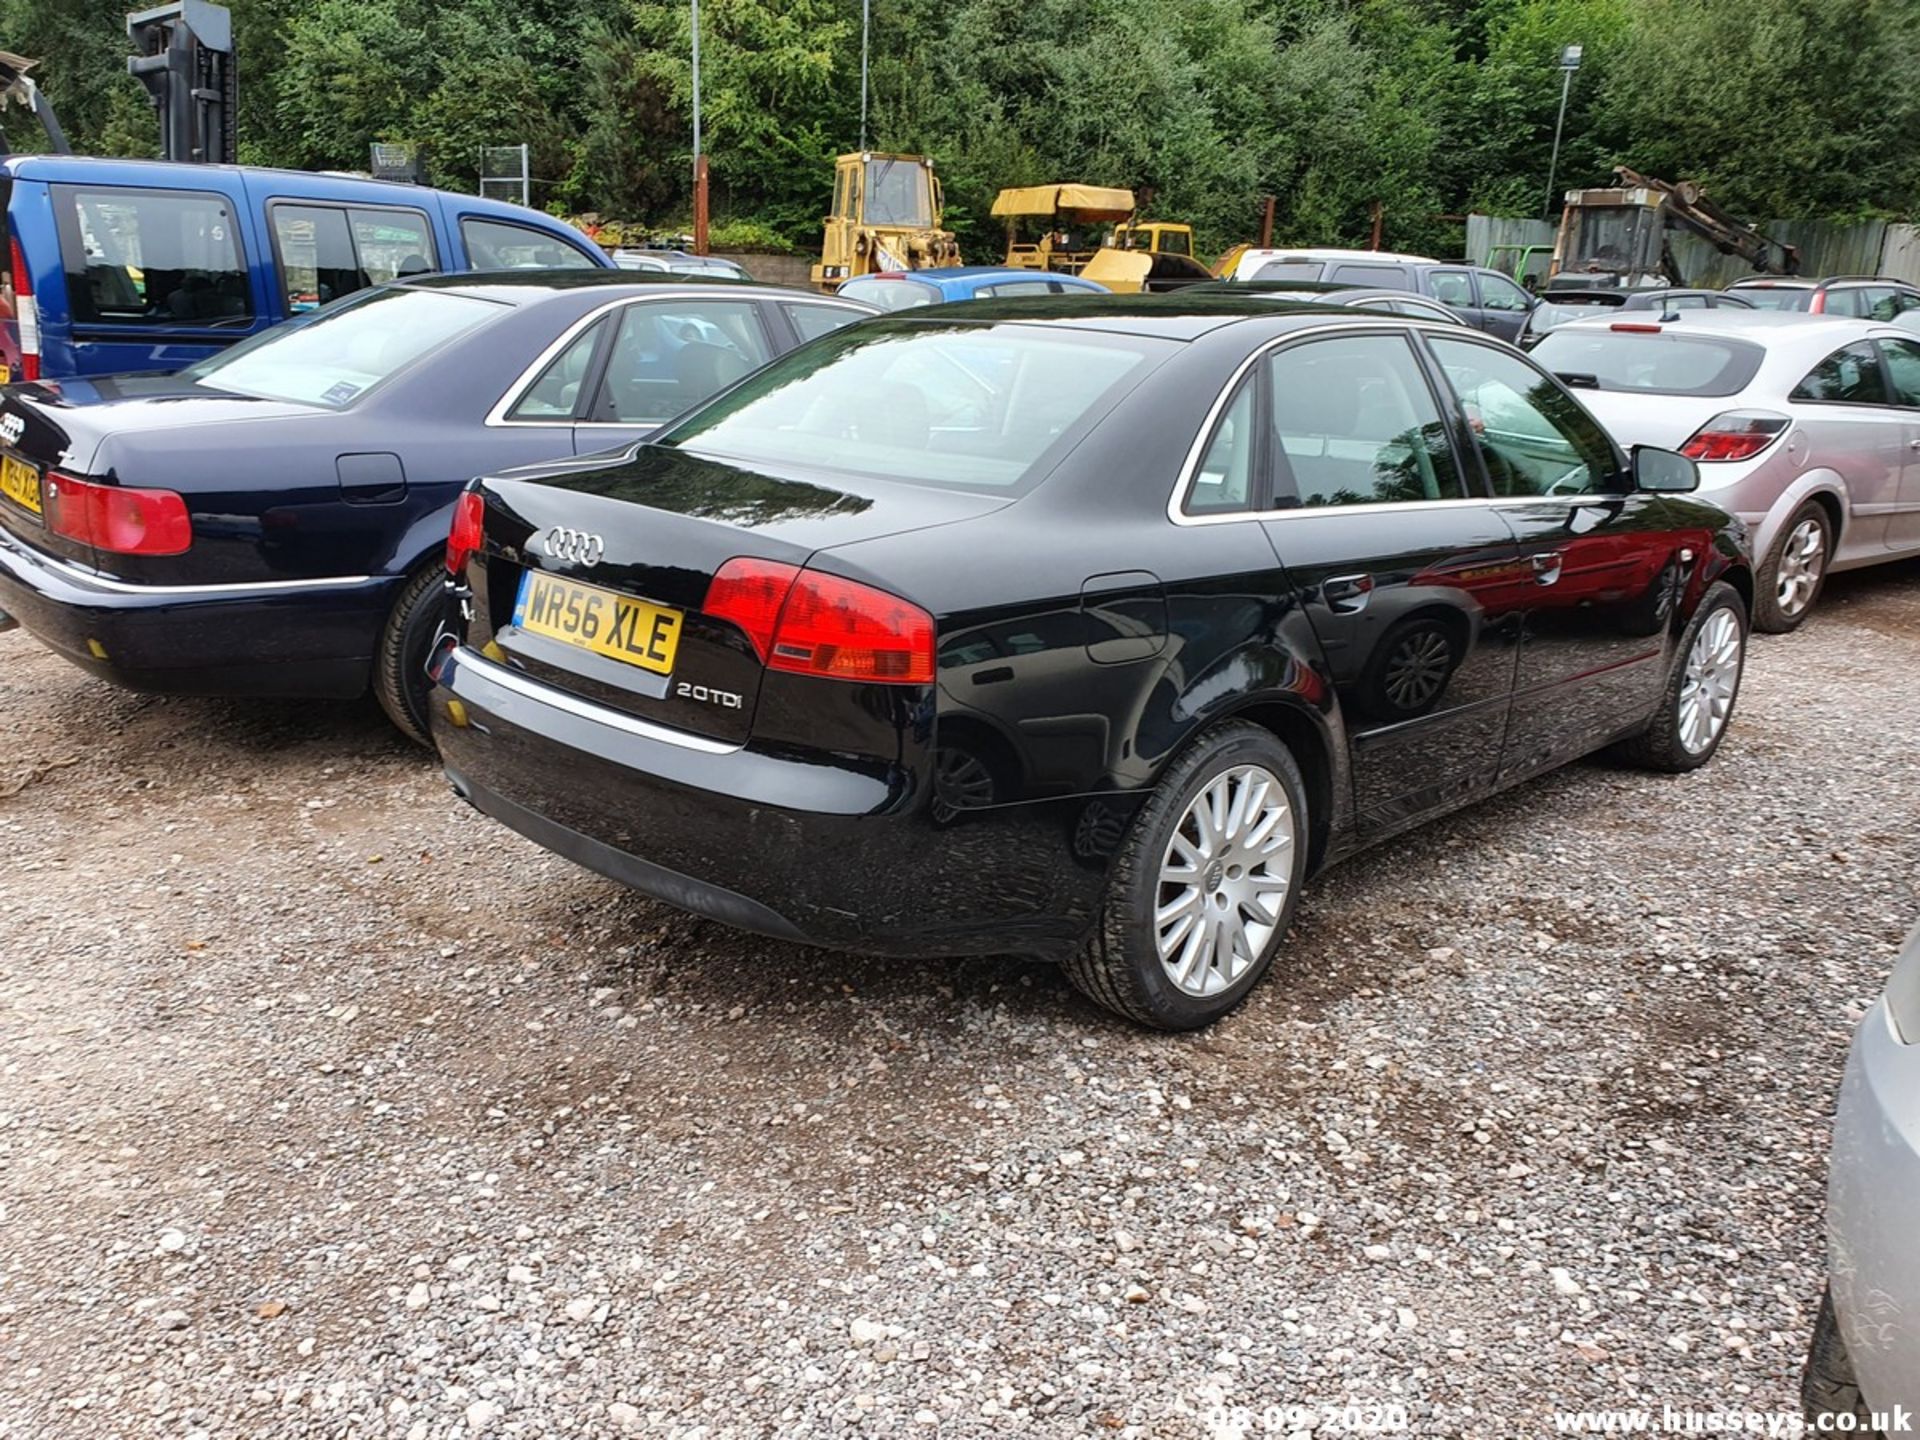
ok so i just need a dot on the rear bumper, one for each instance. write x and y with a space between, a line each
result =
818 848
1875 1266
306 638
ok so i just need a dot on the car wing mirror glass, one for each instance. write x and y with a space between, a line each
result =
1663 472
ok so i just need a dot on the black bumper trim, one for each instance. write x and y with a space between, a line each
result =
697 896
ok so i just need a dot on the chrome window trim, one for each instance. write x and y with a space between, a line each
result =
540 694
1196 452
516 390
524 381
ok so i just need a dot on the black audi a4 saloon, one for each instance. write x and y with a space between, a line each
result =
1084 629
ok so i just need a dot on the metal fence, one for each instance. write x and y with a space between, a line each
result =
503 173
1872 247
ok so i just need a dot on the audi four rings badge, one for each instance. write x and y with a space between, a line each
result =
580 546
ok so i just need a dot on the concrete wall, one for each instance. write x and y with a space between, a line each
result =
773 269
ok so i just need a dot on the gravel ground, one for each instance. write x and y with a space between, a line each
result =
329 1108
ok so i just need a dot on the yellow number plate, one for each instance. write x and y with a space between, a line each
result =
617 626
20 483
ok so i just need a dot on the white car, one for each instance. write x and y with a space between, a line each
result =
1807 427
1306 263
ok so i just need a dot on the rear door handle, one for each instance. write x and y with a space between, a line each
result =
1347 594
1546 567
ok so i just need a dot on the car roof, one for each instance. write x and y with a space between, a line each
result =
1812 282
1308 252
1175 316
978 273
520 287
279 184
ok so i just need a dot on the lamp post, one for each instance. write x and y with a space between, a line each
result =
1569 62
699 159
866 17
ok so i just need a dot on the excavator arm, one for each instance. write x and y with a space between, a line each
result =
1687 208
17 89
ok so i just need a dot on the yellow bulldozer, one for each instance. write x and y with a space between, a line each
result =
886 216
1092 231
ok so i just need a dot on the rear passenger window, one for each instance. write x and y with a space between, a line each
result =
556 394
1357 425
1387 277
672 354
1225 482
1903 370
1452 287
813 321
500 245
392 244
1848 376
327 251
152 257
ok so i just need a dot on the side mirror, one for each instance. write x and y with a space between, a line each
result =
1663 472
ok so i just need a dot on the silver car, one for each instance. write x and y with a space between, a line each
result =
1865 1357
1805 426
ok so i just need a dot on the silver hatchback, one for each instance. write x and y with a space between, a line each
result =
1805 426
1865 1357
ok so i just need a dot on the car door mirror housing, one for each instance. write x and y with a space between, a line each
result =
1663 472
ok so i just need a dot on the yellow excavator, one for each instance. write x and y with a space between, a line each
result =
886 216
1091 231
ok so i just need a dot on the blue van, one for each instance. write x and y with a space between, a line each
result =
118 265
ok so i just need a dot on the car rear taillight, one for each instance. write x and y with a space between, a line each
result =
117 518
1735 435
463 537
808 623
26 315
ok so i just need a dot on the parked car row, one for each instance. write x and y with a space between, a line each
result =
959 613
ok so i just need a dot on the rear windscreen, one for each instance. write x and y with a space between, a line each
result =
891 294
1289 270
1552 313
981 409
1776 297
1662 364
332 356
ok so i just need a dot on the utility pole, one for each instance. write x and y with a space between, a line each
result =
699 158
866 22
1569 62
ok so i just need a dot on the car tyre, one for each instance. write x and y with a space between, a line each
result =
1827 1385
1697 705
400 681
1221 844
1794 570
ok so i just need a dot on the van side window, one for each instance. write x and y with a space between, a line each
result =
327 251
501 245
152 257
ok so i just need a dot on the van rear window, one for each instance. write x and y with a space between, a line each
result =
153 258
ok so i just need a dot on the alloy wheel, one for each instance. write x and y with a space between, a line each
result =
1712 676
1224 880
1802 561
